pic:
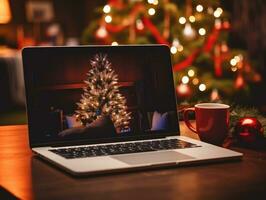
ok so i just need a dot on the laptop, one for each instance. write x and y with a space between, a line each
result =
102 109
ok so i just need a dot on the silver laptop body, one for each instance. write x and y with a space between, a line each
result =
102 109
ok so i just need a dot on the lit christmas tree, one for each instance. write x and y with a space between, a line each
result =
195 30
101 96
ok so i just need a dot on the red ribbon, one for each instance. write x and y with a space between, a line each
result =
207 47
154 31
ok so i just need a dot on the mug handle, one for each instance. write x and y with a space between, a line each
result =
186 119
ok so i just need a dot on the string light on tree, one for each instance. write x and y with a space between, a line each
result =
236 62
224 47
114 43
139 24
233 62
204 27
176 42
199 8
202 87
192 19
239 82
226 24
218 24
154 2
191 73
215 95
185 79
176 46
234 68
189 32
107 9
151 11
218 12
180 48
173 50
108 19
195 81
101 32
202 31
182 20
238 58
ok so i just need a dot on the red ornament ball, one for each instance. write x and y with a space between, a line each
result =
248 130
183 90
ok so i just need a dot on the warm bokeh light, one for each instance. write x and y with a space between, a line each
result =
180 48
188 31
114 43
176 46
5 13
215 95
176 42
217 13
192 19
106 9
191 73
139 24
151 11
108 19
238 58
233 62
173 50
195 81
202 87
218 23
199 8
234 68
182 20
101 32
183 90
154 2
202 31
185 79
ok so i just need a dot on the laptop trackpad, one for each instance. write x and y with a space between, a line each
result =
152 157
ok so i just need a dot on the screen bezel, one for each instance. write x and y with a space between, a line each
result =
29 86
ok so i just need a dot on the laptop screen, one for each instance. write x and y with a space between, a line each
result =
99 93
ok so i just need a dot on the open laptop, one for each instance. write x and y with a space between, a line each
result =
99 109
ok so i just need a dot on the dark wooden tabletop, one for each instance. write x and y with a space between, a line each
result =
27 177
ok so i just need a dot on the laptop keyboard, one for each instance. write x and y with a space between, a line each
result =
122 148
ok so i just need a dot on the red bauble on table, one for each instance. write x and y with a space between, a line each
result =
249 130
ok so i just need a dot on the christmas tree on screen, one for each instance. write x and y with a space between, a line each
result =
204 65
101 96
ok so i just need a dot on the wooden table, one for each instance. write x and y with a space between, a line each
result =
27 177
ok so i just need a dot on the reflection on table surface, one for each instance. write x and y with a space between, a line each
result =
28 177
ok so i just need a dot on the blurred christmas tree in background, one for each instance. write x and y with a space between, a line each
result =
205 67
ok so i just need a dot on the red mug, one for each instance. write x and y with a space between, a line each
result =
212 122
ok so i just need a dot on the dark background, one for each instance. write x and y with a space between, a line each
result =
247 18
